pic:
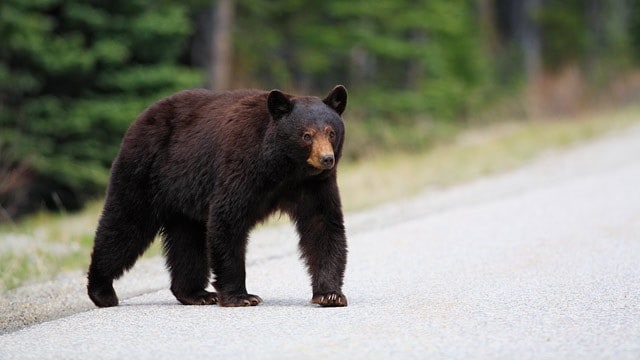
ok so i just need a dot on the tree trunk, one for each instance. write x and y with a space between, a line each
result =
415 67
528 37
488 26
530 40
593 9
222 52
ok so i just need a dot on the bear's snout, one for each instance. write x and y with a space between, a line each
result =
321 156
327 161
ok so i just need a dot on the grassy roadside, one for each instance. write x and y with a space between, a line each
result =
44 245
473 152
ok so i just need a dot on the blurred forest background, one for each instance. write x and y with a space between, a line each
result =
75 73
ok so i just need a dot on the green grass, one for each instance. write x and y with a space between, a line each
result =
44 245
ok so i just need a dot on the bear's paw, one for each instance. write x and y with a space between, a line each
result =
237 300
330 299
103 295
198 298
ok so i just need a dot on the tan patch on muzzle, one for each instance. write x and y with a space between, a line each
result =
321 157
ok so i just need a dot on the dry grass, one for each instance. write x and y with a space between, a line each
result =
45 245
474 152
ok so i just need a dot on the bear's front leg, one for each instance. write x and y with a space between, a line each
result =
319 221
227 246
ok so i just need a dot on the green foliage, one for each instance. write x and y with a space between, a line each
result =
568 19
74 75
633 17
402 57
589 33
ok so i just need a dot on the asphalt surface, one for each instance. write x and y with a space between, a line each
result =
540 262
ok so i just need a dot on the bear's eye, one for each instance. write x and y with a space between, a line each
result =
332 134
307 137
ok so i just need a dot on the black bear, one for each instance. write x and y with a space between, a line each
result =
202 168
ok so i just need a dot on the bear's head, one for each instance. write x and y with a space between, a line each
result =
311 127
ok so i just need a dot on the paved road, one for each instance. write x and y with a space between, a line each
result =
542 262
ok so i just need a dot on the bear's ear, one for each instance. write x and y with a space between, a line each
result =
337 99
278 104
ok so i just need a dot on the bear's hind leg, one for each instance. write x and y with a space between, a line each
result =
185 250
122 236
227 239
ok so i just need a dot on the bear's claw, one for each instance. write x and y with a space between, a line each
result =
239 300
331 299
202 297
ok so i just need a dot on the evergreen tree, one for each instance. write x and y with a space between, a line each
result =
73 76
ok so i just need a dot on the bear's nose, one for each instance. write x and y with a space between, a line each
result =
327 161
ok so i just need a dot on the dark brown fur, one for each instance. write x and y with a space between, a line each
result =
202 169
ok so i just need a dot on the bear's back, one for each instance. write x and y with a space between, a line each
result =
193 132
198 115
191 105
